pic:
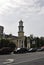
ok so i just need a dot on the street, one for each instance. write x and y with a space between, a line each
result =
36 58
33 62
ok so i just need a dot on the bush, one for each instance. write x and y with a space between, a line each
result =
6 46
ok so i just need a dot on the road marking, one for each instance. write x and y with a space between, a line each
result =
8 61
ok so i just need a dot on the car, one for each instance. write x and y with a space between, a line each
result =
21 50
32 50
40 49
15 51
6 50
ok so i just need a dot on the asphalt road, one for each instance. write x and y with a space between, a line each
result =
34 62
36 58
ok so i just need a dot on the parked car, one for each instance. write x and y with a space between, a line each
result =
21 50
40 49
32 50
15 51
6 50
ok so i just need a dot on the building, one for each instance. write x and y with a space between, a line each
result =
1 31
21 41
21 37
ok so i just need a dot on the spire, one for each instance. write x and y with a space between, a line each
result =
20 27
21 21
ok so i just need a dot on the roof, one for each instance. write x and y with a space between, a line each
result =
20 21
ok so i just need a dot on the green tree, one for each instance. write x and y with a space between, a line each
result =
25 41
37 40
31 39
6 43
41 42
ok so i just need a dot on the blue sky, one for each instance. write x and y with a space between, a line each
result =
30 11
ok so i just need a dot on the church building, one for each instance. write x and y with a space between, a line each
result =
21 41
21 37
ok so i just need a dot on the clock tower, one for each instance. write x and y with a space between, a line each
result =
20 27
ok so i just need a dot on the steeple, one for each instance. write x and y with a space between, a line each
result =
20 32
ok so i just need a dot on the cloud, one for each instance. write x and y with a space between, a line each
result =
31 11
40 3
31 6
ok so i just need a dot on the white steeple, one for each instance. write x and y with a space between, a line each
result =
21 32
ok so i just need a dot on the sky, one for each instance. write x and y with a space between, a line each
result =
31 12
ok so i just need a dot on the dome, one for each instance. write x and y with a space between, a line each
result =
20 21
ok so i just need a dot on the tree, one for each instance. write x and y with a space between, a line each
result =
25 41
37 42
41 42
7 43
31 39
